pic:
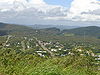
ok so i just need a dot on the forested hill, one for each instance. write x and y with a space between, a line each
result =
24 30
50 31
4 26
15 29
89 31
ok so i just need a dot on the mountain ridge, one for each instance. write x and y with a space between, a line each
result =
88 31
81 31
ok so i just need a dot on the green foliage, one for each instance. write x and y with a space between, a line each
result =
12 63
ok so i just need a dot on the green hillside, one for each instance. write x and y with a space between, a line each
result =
88 31
12 29
24 30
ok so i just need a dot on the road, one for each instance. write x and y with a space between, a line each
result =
44 48
9 36
23 45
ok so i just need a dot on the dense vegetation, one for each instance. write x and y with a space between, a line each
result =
20 63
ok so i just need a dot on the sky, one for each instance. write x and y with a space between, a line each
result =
65 3
51 12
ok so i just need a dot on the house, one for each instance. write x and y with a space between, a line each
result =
55 50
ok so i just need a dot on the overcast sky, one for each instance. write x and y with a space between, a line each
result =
55 12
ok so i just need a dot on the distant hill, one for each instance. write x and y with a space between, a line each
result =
25 30
88 31
4 26
51 31
61 27
21 30
14 29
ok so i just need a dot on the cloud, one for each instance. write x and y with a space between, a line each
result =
84 10
36 2
24 4
28 10
38 11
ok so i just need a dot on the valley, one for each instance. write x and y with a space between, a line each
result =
49 51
